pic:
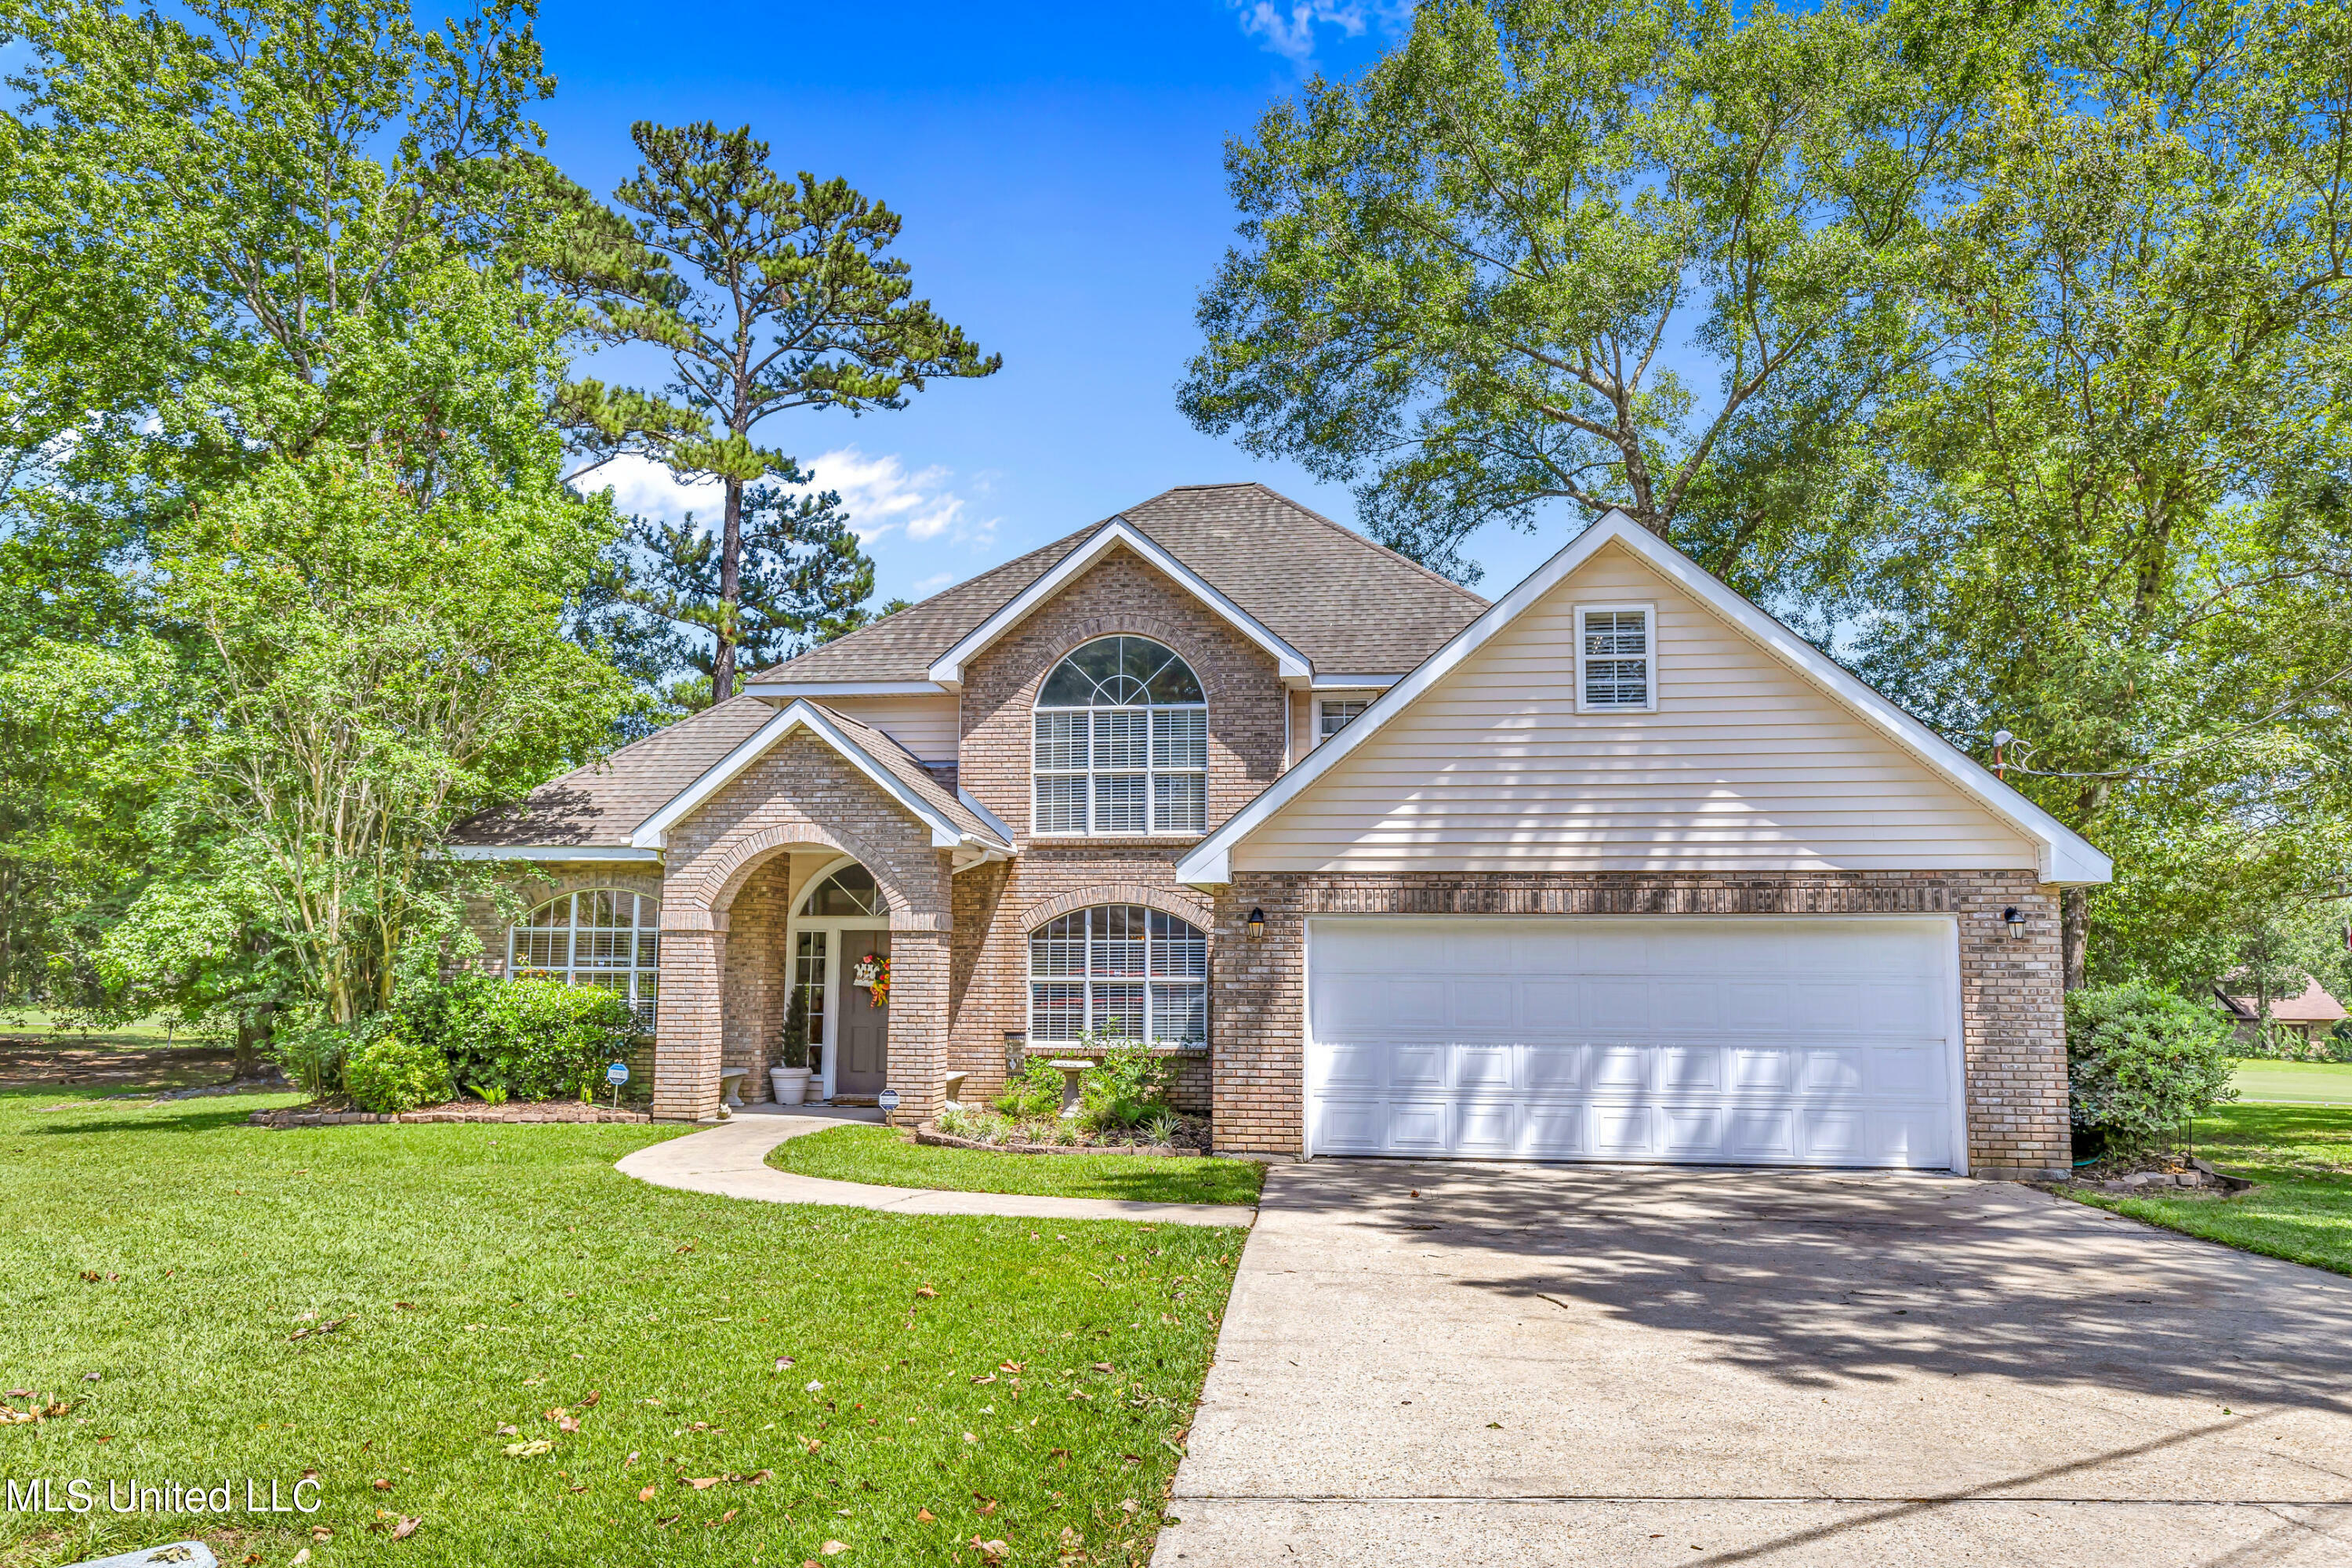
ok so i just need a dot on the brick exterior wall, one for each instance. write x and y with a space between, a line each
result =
996 907
727 895
2011 1004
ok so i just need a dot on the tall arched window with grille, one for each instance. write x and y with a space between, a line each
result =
1120 742
1122 971
600 936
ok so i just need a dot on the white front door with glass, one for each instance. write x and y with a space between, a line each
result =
840 944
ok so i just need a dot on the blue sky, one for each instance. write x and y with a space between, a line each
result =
1059 170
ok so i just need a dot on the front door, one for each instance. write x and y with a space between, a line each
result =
862 1069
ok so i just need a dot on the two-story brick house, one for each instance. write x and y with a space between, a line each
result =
1613 868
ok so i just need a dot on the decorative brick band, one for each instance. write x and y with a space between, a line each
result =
1167 900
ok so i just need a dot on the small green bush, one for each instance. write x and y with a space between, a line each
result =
791 1046
1034 1092
393 1074
1126 1085
535 1039
2140 1062
313 1057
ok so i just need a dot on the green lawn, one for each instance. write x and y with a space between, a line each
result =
885 1158
377 1303
2293 1083
2302 1211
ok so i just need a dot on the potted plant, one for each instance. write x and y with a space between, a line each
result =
791 1074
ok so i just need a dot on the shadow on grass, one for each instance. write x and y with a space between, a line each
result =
195 1116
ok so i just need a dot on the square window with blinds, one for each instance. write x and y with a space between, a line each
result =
1337 716
1615 659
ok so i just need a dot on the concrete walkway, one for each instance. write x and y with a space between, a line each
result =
1553 1366
730 1160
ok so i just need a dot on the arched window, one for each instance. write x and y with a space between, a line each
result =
1121 971
1121 742
599 938
848 891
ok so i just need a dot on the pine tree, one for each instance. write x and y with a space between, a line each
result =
765 293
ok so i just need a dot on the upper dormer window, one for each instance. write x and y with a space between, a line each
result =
1121 742
1616 658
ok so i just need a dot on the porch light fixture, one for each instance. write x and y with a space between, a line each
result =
1255 923
2016 923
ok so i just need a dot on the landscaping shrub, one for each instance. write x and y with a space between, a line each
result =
2140 1062
1126 1086
535 1039
1034 1092
313 1056
393 1073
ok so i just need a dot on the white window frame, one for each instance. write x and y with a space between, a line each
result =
1152 772
643 996
1088 980
1323 705
1649 612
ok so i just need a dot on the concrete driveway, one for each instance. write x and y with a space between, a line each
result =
1468 1364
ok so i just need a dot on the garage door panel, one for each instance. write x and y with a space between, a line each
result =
1784 1040
1489 1069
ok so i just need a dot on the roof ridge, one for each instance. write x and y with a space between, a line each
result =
1352 535
606 760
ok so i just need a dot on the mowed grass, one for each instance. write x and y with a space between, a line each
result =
2301 1156
2293 1083
1019 1381
884 1157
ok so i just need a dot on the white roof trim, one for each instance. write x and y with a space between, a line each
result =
823 688
550 852
1354 682
2065 857
948 669
945 834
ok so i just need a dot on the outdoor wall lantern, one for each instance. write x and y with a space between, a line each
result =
2016 923
1256 923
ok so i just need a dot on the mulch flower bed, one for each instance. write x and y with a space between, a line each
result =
456 1111
2167 1176
929 1133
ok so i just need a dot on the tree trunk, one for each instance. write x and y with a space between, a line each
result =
730 588
251 1030
2074 933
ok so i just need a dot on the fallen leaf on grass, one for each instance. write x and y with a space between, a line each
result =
834 1548
405 1529
924 1515
566 1424
688 1247
1129 1506
699 1483
666 1522
731 1513
300 1557
382 1483
783 1362
990 1550
985 1377
1103 1366
524 1450
925 1291
509 1431
593 1400
751 1480
810 1444
580 1488
646 1495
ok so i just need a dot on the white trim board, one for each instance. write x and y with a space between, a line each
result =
947 670
821 689
550 852
804 714
2063 856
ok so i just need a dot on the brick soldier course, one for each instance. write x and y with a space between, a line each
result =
734 869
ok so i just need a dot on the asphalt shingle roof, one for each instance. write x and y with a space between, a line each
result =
1349 605
1346 602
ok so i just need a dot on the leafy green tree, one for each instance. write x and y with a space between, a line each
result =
764 293
1481 281
2128 518
274 390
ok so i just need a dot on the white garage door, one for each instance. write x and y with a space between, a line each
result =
1797 1042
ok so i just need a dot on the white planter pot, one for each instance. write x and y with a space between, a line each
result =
790 1085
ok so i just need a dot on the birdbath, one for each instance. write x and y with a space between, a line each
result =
1071 1072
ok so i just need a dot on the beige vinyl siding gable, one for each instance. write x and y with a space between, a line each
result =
1744 766
926 724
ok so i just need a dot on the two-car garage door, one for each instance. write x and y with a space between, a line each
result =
1817 1041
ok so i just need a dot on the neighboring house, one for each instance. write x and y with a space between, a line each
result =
2312 1015
1616 867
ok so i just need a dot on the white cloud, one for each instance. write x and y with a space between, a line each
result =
879 495
925 588
1288 28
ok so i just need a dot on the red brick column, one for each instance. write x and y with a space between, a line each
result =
918 1016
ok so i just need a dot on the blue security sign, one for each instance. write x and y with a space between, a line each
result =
617 1073
887 1099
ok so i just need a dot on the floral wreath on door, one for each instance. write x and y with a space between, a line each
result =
873 972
